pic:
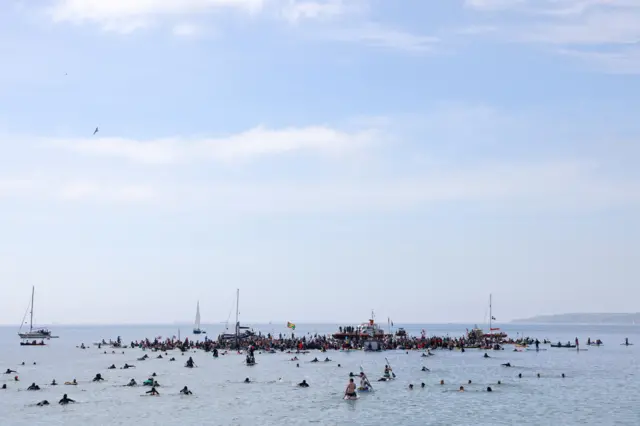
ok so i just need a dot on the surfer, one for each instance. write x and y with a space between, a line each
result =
327 359
247 380
425 369
112 367
65 400
189 363
489 389
486 355
33 387
506 364
350 392
422 385
303 384
53 383
10 371
185 391
42 403
98 378
127 366
153 392
4 386
132 382
315 360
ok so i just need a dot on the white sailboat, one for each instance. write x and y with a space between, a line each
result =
38 333
196 328
241 332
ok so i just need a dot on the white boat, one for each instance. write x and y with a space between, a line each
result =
196 328
240 332
34 333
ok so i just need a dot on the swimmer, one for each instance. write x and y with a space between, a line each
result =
4 386
315 360
563 375
461 389
172 359
520 375
425 369
53 383
127 366
303 384
42 403
410 386
339 366
327 359
159 357
65 400
486 355
351 389
422 385
506 364
33 387
489 389
153 392
247 380
10 371
132 382
185 391
297 365
538 375
98 378
442 382
112 367
469 382
499 382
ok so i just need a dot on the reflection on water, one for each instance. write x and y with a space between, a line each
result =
600 387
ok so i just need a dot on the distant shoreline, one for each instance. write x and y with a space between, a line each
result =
583 318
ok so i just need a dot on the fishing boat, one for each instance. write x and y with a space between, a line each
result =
240 332
33 333
196 328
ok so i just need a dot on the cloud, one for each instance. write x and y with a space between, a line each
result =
594 26
250 144
187 30
378 36
129 15
298 11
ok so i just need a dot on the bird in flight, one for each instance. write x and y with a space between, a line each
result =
95 131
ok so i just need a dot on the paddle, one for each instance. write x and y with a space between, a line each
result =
389 364
366 378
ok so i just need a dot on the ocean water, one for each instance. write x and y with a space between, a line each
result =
601 386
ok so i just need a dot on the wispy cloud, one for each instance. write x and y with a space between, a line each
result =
253 143
378 36
590 28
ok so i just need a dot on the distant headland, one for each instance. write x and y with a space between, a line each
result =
611 318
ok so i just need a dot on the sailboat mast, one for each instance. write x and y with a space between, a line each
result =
490 314
33 290
237 323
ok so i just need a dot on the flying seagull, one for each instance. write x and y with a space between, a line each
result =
95 131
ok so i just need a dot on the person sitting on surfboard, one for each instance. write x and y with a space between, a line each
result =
351 389
185 391
364 384
65 400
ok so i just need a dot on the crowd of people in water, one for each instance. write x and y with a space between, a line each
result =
296 346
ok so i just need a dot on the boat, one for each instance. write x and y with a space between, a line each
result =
196 328
241 332
494 333
34 333
369 331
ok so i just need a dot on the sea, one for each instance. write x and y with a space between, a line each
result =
601 384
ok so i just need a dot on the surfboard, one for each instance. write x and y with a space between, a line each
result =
350 398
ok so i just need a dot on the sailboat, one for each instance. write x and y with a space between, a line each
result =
196 328
38 333
240 331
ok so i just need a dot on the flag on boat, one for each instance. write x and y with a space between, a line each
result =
291 325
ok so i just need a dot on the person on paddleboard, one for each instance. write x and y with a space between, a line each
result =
351 389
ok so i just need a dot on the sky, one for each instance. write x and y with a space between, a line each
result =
326 157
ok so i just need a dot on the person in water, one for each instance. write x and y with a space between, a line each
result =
422 385
506 364
42 403
425 369
53 383
132 382
112 367
315 360
4 386
489 389
303 384
33 387
351 389
185 391
410 386
189 363
387 372
486 355
441 382
247 380
98 378
327 359
127 366
10 371
461 389
65 400
153 391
